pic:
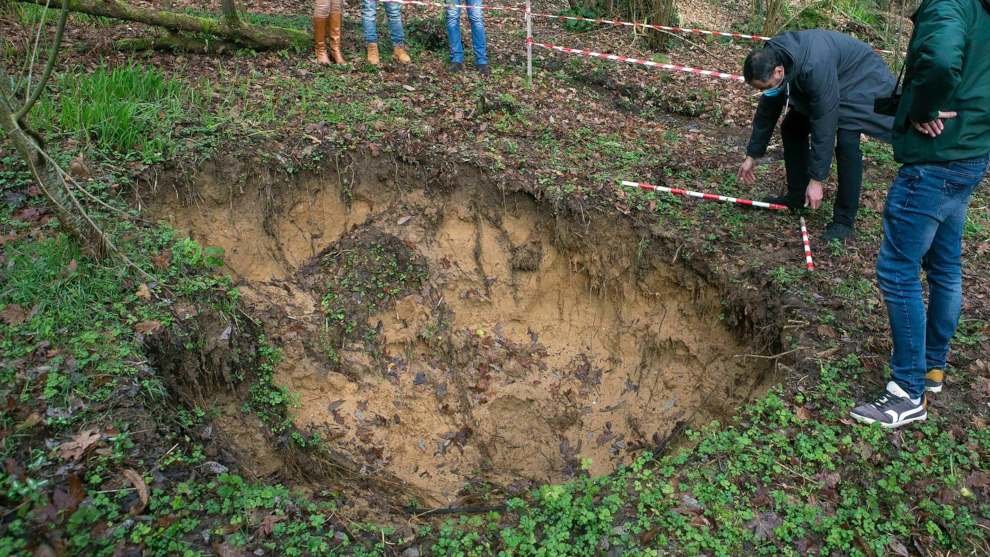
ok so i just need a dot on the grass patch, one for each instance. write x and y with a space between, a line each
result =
128 112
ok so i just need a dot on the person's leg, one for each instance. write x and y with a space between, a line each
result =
849 162
943 262
478 40
910 221
399 53
321 10
335 23
794 133
394 12
454 32
368 9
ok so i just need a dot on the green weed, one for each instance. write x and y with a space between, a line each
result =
129 111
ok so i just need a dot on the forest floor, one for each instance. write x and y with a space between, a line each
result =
400 311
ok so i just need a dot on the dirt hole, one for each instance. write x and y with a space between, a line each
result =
465 336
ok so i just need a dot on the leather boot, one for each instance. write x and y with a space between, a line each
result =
373 57
319 40
333 32
400 55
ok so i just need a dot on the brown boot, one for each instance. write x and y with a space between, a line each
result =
319 39
333 31
400 55
373 57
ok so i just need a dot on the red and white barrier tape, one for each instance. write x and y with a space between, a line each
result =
809 262
445 5
683 30
709 196
669 29
657 27
650 63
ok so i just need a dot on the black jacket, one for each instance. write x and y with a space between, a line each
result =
833 79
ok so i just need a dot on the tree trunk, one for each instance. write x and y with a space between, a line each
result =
247 35
229 10
48 177
177 43
662 12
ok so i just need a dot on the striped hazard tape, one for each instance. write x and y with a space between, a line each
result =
708 196
650 63
809 262
737 36
449 5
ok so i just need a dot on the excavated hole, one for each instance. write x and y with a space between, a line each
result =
450 338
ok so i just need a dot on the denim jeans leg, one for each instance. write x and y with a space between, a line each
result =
454 34
478 40
943 262
849 163
368 9
910 221
394 12
943 267
795 131
922 224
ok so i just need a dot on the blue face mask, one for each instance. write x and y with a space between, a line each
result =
774 91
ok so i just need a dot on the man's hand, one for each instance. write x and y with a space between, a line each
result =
935 127
745 172
813 195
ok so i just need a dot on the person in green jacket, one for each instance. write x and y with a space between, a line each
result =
942 140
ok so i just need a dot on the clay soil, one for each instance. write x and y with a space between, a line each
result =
453 337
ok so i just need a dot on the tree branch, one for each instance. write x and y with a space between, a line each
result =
49 67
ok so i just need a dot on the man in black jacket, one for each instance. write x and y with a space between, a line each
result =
829 81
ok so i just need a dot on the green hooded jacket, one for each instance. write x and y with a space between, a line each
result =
948 69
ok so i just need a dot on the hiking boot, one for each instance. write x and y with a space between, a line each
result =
891 409
837 231
333 31
934 379
319 40
400 55
484 70
373 57
456 67
787 200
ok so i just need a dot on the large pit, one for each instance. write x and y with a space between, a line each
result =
451 336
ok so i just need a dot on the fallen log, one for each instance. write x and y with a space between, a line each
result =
229 28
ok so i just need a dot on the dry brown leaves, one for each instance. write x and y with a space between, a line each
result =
77 447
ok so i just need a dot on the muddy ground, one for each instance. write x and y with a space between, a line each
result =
457 337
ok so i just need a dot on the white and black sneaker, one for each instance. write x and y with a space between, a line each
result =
892 409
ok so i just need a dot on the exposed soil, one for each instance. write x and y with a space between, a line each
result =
446 338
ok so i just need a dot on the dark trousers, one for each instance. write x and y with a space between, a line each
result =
795 132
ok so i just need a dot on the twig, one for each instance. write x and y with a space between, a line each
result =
34 51
106 241
49 66
476 509
774 357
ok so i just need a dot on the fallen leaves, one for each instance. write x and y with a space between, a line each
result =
13 314
149 327
142 489
77 447
162 260
268 524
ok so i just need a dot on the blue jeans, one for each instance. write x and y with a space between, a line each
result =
922 229
394 12
477 32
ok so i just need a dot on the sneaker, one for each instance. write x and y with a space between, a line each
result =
484 70
837 231
456 67
934 379
784 200
891 409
